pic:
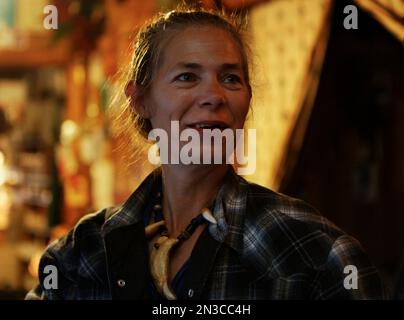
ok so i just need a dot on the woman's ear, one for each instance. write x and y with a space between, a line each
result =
135 95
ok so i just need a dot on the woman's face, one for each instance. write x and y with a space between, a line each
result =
200 80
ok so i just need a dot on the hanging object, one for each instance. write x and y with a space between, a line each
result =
289 39
161 245
389 13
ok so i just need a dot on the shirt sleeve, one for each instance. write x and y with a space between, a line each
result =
55 271
35 294
348 274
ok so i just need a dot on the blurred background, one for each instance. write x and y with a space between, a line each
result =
328 109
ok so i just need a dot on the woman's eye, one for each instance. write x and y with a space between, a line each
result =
232 78
186 77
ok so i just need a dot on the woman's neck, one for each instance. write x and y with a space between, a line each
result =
186 190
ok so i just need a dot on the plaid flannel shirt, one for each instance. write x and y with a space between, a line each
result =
265 246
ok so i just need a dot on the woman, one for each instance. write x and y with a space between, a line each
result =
199 231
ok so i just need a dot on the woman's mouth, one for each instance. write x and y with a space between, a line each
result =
210 125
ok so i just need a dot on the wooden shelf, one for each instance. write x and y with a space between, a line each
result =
36 52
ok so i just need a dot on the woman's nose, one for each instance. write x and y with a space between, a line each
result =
212 95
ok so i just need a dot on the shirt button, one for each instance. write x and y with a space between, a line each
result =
121 283
190 293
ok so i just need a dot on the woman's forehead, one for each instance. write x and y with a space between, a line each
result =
205 45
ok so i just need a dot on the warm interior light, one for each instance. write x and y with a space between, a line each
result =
69 132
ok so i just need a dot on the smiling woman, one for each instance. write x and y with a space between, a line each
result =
199 82
195 230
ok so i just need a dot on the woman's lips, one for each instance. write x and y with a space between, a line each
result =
209 125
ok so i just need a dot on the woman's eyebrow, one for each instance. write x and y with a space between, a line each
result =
193 65
187 65
231 66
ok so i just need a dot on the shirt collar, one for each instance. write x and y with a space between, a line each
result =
131 212
229 209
